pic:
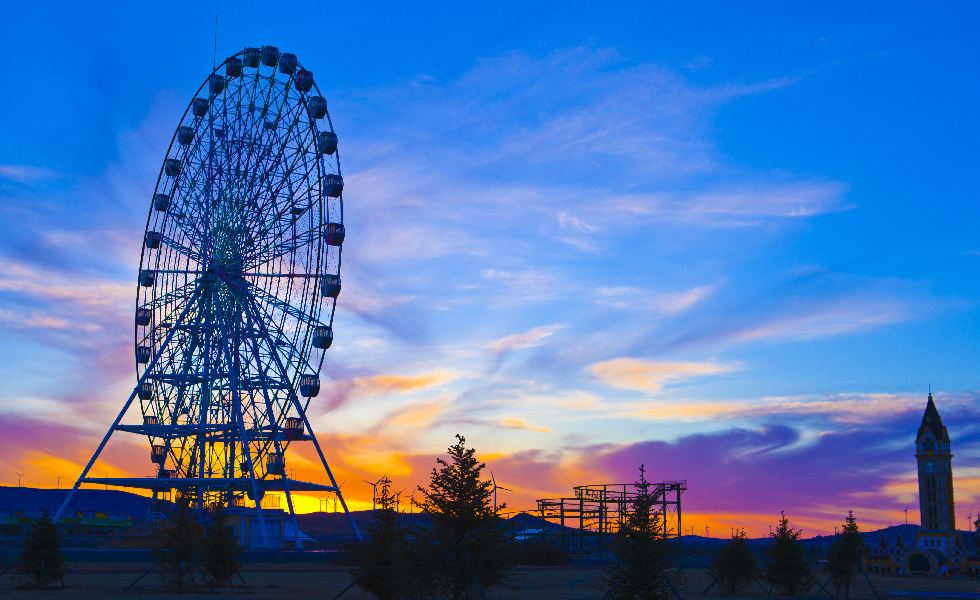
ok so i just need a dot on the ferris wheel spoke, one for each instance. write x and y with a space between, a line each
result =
261 295
275 348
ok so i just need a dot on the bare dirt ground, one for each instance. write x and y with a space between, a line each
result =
312 581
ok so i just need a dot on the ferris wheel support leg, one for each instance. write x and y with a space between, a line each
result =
246 449
292 514
302 413
326 467
105 440
98 451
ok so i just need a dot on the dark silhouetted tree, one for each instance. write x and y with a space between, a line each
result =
181 542
219 554
788 568
386 564
844 556
643 559
41 561
465 549
734 565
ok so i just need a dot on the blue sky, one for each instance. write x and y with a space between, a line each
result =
723 237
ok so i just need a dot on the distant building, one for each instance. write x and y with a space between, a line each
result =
938 546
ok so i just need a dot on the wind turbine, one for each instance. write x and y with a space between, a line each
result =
495 488
906 514
398 500
374 491
19 475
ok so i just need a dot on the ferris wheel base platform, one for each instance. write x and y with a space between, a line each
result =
213 483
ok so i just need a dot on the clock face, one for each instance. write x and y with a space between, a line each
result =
930 467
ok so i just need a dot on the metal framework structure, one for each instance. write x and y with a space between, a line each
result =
237 288
586 521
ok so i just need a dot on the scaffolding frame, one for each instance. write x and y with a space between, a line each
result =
588 520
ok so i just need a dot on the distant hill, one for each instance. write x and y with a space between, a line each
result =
112 502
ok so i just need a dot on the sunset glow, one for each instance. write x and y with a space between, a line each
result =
735 245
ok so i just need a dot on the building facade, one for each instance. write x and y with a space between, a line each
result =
938 548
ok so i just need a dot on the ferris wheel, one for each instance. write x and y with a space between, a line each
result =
237 288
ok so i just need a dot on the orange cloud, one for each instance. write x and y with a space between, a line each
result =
650 375
387 384
514 423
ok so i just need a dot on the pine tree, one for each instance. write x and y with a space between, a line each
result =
41 560
180 545
788 569
734 565
844 556
642 557
465 549
220 549
386 566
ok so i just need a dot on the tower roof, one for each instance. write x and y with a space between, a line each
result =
932 423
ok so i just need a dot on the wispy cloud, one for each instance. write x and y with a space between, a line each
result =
650 375
528 339
26 173
636 298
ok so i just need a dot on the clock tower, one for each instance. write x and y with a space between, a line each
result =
938 547
935 473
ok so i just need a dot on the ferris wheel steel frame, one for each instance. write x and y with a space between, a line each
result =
237 289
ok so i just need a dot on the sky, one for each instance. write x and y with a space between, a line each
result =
733 242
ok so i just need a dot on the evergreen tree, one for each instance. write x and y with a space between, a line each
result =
788 568
642 557
734 565
221 549
465 549
180 543
386 566
844 556
41 560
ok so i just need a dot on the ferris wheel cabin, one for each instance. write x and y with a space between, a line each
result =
142 354
143 316
294 428
275 464
233 67
303 80
200 107
251 57
216 84
309 385
334 184
287 63
326 143
322 336
185 135
330 286
317 107
152 239
158 454
161 202
335 234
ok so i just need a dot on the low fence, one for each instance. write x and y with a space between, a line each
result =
150 541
